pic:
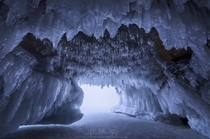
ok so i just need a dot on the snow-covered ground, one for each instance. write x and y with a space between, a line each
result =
107 126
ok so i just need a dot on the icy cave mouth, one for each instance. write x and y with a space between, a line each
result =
156 53
123 61
78 58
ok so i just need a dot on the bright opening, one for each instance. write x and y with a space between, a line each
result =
97 99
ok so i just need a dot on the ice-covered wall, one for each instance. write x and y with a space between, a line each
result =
155 52
30 94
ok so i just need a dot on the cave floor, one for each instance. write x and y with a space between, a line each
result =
107 126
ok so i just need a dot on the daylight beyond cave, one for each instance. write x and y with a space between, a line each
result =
156 53
97 99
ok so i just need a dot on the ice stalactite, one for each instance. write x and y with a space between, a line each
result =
179 23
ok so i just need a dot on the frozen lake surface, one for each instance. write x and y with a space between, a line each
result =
107 126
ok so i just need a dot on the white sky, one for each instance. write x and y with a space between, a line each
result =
97 99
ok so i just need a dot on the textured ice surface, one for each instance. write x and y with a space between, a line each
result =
178 22
107 125
46 47
28 96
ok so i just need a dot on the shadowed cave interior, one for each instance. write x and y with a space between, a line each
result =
155 55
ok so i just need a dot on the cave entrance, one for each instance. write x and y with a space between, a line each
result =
97 99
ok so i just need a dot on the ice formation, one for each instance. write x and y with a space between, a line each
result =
155 52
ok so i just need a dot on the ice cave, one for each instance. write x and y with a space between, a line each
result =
154 53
